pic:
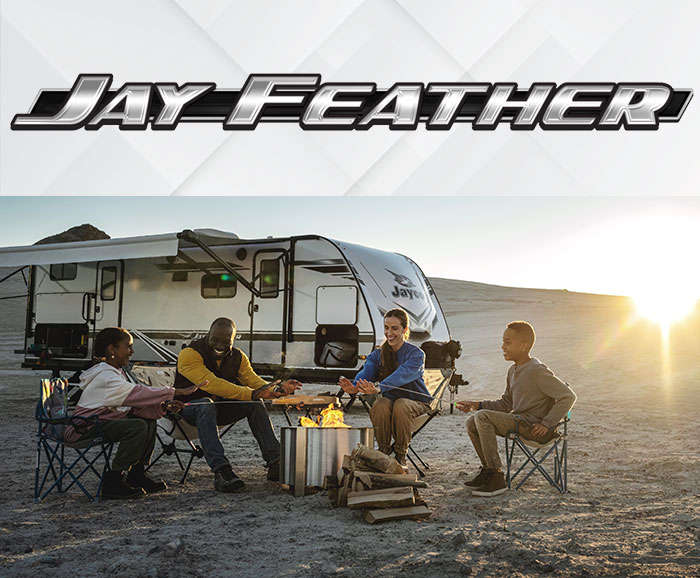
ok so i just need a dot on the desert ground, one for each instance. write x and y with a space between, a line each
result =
633 506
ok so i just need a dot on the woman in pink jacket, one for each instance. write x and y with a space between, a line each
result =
128 412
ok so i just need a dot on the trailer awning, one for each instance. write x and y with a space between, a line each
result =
104 249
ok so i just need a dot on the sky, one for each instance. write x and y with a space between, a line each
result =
598 245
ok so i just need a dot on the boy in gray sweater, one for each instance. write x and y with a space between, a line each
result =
535 400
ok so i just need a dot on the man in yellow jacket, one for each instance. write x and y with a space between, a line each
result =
231 378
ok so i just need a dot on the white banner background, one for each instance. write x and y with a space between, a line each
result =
47 44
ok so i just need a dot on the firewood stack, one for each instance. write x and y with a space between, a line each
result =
377 484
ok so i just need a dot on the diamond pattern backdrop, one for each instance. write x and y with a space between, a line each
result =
46 44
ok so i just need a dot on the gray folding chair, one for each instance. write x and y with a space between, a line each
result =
554 470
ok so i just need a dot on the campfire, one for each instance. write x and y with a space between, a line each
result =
329 417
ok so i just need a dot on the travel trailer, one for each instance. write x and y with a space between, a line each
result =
308 305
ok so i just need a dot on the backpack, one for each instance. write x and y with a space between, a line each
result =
54 407
441 354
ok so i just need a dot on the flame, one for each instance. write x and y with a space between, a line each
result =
332 417
329 418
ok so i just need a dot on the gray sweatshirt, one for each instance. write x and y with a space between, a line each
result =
534 393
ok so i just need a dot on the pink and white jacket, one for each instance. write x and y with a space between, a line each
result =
108 394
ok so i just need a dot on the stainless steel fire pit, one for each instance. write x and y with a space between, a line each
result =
311 453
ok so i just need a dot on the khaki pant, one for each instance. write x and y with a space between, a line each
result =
392 419
483 427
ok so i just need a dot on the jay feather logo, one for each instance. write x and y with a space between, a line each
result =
315 105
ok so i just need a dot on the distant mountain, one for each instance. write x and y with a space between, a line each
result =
454 295
85 232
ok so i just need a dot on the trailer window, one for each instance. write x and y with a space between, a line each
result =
63 271
108 290
269 278
218 286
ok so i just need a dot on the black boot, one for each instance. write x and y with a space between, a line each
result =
225 480
273 471
115 488
138 478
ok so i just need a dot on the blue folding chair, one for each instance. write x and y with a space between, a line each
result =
64 470
534 461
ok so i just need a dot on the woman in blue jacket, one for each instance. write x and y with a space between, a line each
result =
395 370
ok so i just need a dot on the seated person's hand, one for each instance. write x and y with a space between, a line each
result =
181 392
347 386
367 387
289 386
266 391
467 406
173 405
538 430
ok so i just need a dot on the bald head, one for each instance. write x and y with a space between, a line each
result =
223 322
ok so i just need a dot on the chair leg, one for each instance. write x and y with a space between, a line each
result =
421 473
187 470
425 464
61 469
532 458
509 459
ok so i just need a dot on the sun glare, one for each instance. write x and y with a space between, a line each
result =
648 256
665 307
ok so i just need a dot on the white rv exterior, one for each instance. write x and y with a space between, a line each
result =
305 305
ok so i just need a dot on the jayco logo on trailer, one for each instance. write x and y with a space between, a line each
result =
406 290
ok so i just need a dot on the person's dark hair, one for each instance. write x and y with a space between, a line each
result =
388 363
525 330
108 336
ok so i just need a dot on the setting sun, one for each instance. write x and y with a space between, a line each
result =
665 307
646 255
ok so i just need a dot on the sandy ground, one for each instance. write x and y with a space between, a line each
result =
632 509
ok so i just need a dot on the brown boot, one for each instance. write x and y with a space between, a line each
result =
401 458
495 485
477 481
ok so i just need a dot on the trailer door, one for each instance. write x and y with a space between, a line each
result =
267 312
108 295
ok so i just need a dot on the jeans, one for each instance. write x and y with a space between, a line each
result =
206 415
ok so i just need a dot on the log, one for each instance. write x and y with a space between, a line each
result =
330 482
387 498
333 496
411 513
343 492
376 460
377 481
418 498
348 464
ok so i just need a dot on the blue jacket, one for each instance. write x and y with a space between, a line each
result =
408 376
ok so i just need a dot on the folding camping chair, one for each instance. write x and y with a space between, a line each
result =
436 380
535 461
172 428
92 455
